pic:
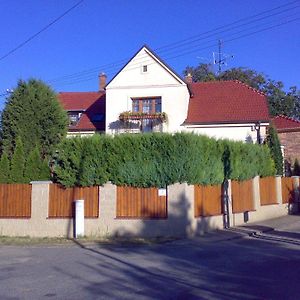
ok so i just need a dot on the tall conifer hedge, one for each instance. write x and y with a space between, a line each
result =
146 160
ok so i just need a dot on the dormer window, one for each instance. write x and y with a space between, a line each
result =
74 117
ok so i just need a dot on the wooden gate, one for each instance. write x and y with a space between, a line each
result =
135 202
287 188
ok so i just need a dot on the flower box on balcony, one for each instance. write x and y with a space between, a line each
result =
128 115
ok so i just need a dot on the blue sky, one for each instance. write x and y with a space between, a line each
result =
99 33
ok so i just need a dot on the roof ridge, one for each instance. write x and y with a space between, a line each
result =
236 81
250 87
287 118
98 92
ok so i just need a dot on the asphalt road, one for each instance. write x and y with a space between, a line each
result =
226 265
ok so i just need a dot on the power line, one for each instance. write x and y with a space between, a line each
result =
233 23
86 73
40 31
90 76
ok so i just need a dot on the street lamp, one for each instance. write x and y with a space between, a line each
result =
257 128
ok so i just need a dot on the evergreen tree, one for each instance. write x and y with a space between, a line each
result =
4 169
44 172
35 167
33 113
296 169
17 163
275 149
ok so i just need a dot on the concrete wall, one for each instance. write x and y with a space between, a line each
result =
180 221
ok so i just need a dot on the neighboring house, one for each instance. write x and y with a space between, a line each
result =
86 111
147 95
288 130
228 109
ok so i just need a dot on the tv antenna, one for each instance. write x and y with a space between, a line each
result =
220 58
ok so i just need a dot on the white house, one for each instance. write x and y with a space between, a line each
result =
147 87
147 95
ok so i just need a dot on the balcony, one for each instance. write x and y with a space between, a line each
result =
136 122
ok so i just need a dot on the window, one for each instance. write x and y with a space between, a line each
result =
145 68
74 118
146 105
135 105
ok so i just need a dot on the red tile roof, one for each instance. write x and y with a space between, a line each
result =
283 124
226 102
90 104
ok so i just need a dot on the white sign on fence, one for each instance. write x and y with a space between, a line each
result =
162 192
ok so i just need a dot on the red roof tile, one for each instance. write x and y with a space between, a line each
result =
283 123
90 104
226 102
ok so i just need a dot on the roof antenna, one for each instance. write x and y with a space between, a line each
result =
219 58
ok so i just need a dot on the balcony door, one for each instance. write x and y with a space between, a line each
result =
147 106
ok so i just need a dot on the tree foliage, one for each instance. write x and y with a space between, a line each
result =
4 169
273 143
33 113
280 101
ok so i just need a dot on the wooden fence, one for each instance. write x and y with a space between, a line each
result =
140 203
61 201
267 190
208 200
287 187
15 200
242 196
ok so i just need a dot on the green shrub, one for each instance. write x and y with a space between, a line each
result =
158 159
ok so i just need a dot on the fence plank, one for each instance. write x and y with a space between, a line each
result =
207 200
242 196
287 186
267 189
140 203
15 200
61 201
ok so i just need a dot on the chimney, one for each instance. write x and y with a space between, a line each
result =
188 78
102 81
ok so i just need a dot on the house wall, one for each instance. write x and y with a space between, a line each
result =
158 81
181 220
237 132
291 143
